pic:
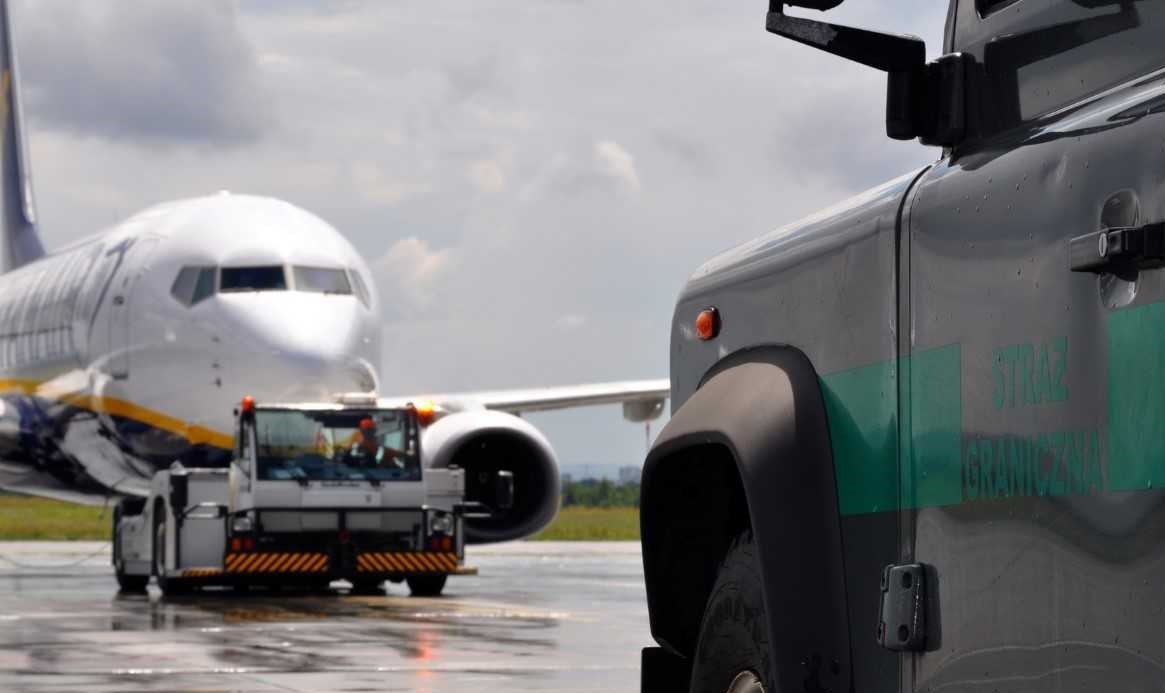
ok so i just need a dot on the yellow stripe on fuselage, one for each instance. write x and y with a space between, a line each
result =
112 406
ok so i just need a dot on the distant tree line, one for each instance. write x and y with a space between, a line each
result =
600 493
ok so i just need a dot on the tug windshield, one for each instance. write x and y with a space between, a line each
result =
339 446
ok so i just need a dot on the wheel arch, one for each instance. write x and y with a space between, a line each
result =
750 449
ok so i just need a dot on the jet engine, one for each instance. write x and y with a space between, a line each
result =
484 443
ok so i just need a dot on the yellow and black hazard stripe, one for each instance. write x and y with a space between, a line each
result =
276 563
406 562
201 572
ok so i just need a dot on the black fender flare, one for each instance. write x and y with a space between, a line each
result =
751 447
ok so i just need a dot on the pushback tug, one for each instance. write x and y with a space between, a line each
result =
315 492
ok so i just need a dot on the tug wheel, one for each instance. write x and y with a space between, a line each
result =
323 586
732 653
126 583
367 587
129 583
169 586
426 585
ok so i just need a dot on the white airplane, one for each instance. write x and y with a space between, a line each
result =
129 350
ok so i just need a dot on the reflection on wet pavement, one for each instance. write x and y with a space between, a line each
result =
539 617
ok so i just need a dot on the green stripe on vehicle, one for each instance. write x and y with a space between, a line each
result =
925 460
1136 398
862 407
931 463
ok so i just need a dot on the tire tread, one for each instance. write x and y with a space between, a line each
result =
733 631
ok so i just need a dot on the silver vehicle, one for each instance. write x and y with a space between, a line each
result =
314 493
918 439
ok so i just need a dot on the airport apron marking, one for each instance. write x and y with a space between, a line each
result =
927 458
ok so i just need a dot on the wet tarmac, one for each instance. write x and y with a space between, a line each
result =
539 616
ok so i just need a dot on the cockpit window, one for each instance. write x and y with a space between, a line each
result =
193 284
205 286
264 278
183 287
361 289
321 280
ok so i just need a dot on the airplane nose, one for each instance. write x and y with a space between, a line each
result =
307 348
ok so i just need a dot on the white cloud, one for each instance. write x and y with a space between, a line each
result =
378 188
410 274
487 176
617 162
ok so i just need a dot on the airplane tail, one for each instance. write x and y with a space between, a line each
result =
19 241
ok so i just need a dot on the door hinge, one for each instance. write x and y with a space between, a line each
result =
902 621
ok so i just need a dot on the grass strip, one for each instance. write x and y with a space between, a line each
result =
23 518
579 523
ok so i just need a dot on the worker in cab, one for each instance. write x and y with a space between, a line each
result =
369 451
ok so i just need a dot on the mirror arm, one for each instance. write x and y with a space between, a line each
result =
886 52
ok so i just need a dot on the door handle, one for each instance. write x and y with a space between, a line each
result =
1121 247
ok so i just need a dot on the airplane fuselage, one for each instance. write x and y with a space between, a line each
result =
127 351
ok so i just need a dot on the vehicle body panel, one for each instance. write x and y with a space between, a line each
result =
1037 422
825 287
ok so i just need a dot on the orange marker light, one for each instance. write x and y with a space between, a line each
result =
426 413
708 324
248 405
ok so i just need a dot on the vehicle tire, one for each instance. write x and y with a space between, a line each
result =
732 653
426 585
319 587
126 583
129 583
367 587
169 586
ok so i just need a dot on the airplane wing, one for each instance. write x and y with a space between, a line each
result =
635 395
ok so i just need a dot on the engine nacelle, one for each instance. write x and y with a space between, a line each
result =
483 443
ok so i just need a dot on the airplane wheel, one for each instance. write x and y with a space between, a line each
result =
426 585
732 653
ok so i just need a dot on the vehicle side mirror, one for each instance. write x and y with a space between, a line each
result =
504 490
923 100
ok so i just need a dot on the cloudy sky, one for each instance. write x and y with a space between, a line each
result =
531 181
